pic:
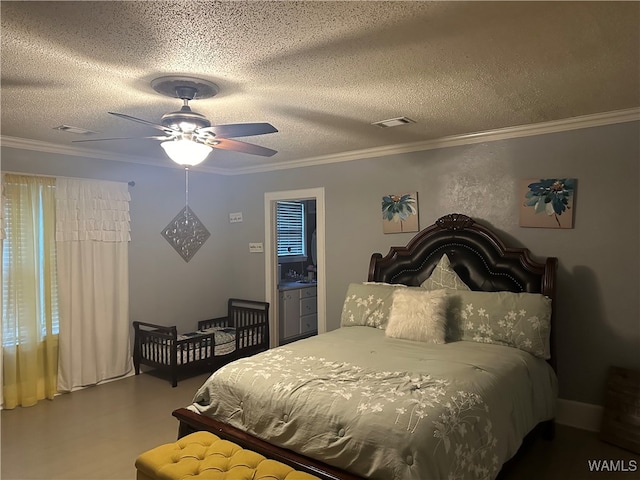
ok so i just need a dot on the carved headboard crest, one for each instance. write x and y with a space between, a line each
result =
454 221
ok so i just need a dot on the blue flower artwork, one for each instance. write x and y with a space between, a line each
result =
400 213
548 203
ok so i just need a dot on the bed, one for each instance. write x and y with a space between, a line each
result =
216 342
443 364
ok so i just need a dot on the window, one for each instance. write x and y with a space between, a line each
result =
290 221
29 290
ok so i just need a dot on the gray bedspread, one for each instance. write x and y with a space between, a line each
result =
385 408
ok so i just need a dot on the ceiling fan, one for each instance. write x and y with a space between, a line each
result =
188 137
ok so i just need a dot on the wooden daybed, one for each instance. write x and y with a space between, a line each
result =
482 261
216 342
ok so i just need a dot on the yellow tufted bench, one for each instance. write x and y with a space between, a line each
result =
204 456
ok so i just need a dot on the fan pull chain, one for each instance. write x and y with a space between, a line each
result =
186 186
186 195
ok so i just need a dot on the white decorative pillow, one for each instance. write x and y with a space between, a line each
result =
443 276
418 314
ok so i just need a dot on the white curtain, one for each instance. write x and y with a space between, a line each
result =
92 235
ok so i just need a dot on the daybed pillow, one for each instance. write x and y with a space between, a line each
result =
367 304
520 320
443 276
418 314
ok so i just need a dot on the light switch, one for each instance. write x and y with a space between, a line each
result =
235 217
256 247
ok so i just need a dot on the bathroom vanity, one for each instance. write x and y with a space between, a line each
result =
298 311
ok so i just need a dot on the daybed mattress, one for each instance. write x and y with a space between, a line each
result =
385 408
225 343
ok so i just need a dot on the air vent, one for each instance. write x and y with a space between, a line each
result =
77 130
393 122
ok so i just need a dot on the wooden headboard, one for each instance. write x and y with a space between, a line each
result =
476 254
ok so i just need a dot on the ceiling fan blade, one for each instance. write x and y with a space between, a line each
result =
144 122
243 147
156 137
239 129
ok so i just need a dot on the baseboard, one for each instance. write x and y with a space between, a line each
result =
579 415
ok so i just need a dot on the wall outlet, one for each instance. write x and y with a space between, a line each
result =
256 248
235 217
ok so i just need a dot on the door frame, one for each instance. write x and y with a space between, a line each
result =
271 257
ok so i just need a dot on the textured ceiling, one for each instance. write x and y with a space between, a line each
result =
320 72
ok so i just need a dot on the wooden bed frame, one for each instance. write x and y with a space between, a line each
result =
161 348
480 259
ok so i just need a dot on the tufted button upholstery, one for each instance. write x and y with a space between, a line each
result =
205 456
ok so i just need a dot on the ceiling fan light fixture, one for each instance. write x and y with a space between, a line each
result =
186 152
188 136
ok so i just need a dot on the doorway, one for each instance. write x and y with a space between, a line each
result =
272 293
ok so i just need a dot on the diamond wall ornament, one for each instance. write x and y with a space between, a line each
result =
186 233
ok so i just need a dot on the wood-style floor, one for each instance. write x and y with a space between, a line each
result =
97 433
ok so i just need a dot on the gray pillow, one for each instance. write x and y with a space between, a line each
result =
520 320
443 276
368 304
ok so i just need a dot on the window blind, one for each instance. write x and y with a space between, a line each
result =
290 227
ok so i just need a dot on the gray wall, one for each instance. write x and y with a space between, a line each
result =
598 278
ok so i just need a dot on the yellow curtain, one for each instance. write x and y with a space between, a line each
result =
29 292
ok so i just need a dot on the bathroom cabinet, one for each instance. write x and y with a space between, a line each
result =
298 313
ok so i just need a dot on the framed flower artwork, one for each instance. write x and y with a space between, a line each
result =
547 202
400 213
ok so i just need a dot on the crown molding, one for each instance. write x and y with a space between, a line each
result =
543 128
556 126
58 149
